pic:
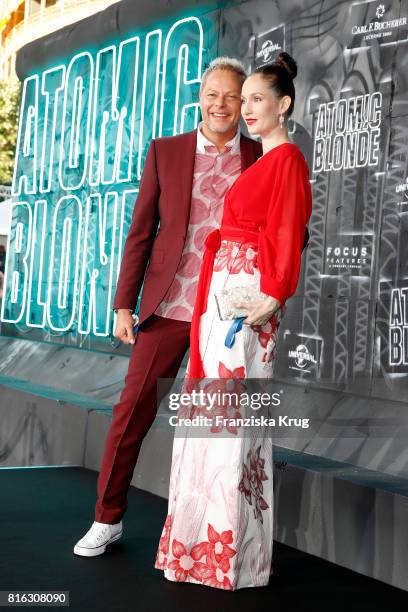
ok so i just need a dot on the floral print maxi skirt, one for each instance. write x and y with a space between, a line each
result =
219 527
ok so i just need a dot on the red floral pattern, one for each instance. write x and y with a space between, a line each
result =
163 550
186 563
207 562
230 381
251 482
267 338
214 172
235 257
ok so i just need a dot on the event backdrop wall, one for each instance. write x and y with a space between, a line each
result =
95 94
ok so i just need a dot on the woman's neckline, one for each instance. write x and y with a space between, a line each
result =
277 147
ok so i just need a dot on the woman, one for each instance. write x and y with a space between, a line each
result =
219 528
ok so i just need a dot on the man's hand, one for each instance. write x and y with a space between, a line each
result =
260 312
124 326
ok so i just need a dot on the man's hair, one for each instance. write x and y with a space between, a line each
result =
224 63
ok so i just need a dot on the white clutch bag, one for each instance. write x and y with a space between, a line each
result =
227 297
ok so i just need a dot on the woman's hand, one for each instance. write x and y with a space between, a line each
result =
259 312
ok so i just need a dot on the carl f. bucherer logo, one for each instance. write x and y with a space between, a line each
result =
380 11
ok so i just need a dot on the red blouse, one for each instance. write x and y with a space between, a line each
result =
274 197
270 202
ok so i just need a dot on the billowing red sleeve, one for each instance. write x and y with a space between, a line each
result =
281 239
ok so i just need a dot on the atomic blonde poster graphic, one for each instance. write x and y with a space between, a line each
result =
393 323
84 129
347 133
398 327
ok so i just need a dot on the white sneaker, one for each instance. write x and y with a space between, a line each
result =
96 540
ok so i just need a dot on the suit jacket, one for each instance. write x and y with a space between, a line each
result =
165 196
152 253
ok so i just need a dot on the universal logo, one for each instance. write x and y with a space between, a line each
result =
302 356
267 49
267 45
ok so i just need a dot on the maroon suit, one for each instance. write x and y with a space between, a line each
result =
161 343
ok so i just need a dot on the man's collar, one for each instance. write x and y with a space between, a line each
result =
202 141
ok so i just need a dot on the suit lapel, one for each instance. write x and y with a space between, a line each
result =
186 164
249 153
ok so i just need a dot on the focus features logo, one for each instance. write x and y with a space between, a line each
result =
346 251
380 11
351 256
342 256
267 49
302 356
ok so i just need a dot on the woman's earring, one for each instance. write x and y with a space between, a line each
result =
281 120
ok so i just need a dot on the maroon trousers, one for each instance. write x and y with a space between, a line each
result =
158 351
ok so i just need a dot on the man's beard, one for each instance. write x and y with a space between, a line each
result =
218 129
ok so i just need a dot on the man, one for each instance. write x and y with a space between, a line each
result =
183 184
